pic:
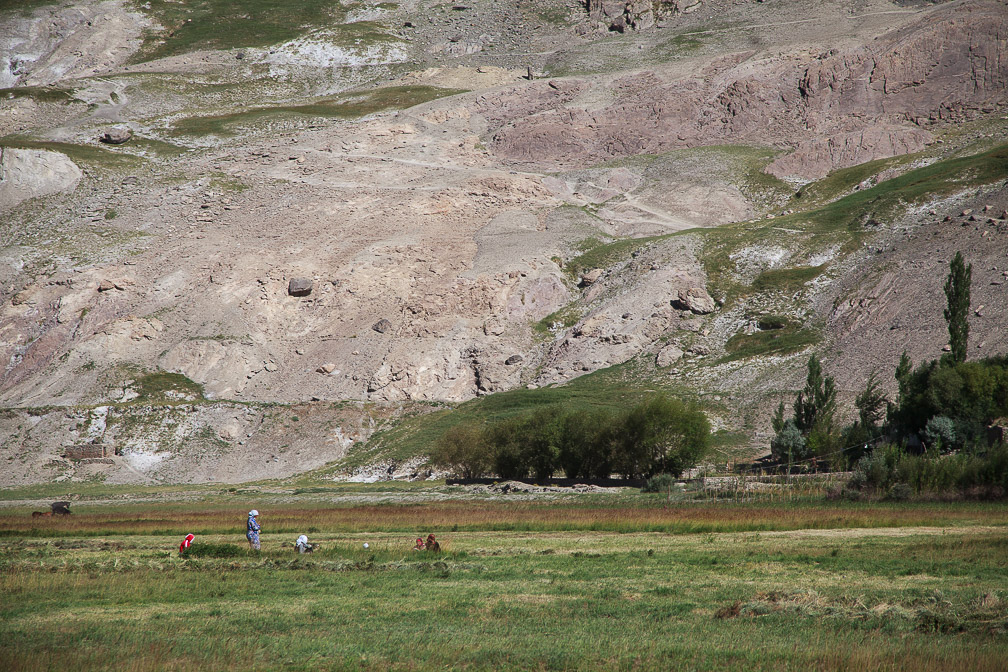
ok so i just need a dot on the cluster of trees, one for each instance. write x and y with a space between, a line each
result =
942 406
658 435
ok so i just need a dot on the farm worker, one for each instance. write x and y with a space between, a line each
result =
432 545
253 530
302 544
419 545
186 543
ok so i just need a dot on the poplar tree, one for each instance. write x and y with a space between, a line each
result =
957 292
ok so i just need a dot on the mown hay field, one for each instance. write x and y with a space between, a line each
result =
625 586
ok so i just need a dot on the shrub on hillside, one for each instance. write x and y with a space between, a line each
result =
464 450
661 435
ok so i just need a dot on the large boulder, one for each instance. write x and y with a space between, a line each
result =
695 299
116 136
300 286
668 356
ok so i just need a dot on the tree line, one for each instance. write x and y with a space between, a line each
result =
942 406
659 435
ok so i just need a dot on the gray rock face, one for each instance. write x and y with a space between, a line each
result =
382 326
668 356
622 15
695 299
116 136
300 286
27 173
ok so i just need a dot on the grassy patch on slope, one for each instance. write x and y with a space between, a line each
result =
840 224
616 389
351 107
228 24
599 254
788 339
41 94
87 155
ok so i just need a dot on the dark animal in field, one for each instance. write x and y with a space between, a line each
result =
61 508
41 514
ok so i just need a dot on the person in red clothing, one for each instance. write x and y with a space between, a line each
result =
432 545
186 543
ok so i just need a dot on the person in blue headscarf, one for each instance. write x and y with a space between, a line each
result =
253 530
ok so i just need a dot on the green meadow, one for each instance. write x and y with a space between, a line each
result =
626 581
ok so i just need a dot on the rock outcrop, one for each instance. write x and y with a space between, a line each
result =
832 108
695 300
29 173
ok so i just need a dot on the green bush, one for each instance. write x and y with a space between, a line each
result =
789 444
587 444
659 483
770 322
982 474
504 438
464 450
661 435
971 394
940 433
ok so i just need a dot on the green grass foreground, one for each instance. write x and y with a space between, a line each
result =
928 591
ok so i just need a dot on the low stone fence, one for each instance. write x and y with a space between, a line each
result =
87 451
554 482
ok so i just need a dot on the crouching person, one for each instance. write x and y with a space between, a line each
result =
303 546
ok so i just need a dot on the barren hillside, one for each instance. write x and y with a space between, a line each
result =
328 220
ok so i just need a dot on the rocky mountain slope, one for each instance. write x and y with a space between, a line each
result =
352 213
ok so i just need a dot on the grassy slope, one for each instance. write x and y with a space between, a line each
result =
898 599
615 388
348 107
227 24
840 222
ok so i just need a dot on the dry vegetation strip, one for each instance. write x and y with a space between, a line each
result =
646 516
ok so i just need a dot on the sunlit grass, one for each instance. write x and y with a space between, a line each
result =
891 598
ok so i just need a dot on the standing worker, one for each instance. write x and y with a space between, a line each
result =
253 531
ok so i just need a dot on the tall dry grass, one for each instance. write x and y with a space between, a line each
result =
501 516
